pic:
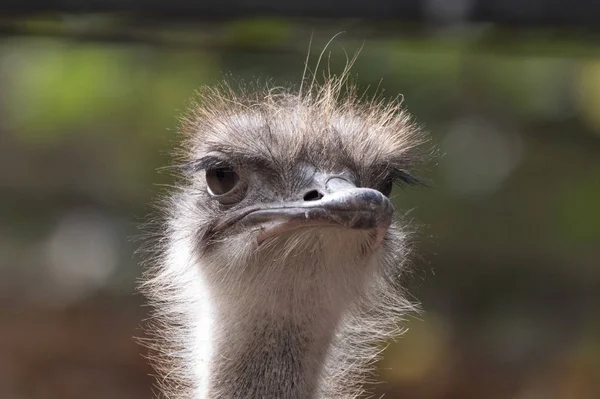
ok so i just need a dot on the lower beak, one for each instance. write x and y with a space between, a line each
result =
352 208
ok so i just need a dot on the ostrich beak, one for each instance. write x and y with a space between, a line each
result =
351 208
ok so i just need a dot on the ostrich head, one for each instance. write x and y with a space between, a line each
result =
278 262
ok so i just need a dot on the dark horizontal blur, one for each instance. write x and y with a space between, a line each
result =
508 265
581 13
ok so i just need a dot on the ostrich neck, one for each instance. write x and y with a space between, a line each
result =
271 349
273 328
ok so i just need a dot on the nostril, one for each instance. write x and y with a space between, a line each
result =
313 195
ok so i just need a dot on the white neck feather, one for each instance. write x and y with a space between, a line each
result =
294 319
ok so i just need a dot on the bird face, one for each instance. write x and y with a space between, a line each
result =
266 165
316 199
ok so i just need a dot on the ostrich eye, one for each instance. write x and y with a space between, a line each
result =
386 187
221 181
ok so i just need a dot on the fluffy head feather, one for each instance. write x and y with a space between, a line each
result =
328 128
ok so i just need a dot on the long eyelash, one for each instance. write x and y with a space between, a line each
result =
207 162
403 178
213 162
398 176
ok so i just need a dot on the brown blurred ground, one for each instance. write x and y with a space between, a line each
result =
87 351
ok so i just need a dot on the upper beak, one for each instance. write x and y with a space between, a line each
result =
342 205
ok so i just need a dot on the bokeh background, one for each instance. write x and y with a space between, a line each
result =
508 265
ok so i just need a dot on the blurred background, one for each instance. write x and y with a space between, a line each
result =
508 265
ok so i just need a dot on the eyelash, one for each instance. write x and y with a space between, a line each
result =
204 163
402 178
399 177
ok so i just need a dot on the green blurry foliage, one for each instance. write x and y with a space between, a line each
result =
588 90
257 32
59 89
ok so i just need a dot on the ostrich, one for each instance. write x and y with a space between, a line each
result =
276 271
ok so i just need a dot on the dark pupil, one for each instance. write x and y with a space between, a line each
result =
221 180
